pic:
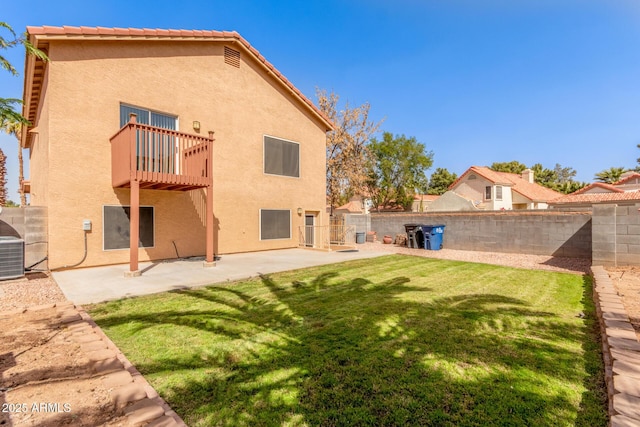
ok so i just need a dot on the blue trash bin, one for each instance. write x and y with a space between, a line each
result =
434 235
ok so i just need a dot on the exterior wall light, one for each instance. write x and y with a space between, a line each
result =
299 211
196 126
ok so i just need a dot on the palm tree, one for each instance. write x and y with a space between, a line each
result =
610 175
6 104
14 127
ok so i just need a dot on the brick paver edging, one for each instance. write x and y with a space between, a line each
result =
149 408
620 350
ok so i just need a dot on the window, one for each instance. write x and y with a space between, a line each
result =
281 157
147 117
275 224
487 192
116 227
472 177
156 151
498 192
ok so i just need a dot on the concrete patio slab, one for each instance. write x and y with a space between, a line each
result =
97 284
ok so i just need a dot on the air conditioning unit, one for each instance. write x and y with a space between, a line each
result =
11 257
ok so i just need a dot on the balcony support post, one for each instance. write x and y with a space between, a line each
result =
210 256
134 229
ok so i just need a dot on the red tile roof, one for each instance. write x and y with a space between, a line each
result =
352 207
102 33
425 197
591 198
532 191
632 176
611 188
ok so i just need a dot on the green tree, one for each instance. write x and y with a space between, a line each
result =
7 110
3 178
610 175
13 127
510 167
397 169
570 186
637 169
440 181
347 152
544 176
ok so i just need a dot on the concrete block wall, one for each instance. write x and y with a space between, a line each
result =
361 222
30 224
531 232
616 235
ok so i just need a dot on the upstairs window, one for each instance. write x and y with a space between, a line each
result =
155 151
147 117
487 192
498 192
281 157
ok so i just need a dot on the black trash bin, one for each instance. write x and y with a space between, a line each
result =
412 240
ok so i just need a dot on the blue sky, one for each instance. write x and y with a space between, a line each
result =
544 81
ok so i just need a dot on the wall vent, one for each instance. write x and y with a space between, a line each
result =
231 57
11 257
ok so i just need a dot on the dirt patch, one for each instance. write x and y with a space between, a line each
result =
58 369
46 380
627 282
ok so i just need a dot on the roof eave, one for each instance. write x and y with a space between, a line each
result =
42 34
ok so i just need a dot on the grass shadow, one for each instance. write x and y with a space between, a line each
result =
359 344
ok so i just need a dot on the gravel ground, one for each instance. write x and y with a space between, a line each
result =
532 262
33 289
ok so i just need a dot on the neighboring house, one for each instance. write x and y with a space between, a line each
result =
491 190
122 117
421 202
352 207
452 202
626 190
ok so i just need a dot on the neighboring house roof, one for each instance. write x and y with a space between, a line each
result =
627 178
610 188
532 191
591 198
425 197
351 207
40 37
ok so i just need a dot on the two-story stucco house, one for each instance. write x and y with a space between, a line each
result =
482 188
121 134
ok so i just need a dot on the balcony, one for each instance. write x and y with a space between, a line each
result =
160 159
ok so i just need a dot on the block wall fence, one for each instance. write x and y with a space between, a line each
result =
29 224
609 235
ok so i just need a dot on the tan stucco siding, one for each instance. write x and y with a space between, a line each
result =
474 190
39 152
192 81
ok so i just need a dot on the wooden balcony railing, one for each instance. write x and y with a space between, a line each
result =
160 159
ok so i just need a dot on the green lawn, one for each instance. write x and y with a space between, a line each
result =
390 341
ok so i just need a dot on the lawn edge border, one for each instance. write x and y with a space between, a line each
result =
621 355
138 378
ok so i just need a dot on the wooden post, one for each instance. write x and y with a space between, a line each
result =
134 229
209 259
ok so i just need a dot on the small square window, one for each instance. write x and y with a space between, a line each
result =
275 224
116 227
